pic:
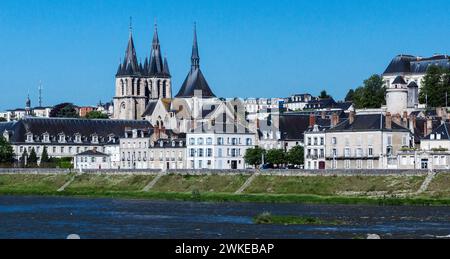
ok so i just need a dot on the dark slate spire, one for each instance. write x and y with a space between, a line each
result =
130 64
195 82
195 59
28 102
156 61
166 69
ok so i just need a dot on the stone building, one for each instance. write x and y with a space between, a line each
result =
138 84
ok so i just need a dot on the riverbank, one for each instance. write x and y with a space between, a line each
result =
373 190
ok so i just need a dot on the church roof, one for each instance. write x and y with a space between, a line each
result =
157 68
195 83
130 65
413 85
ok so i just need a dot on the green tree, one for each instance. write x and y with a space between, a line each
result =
253 156
350 95
96 115
371 95
276 157
435 87
324 95
2 119
64 110
296 156
45 159
32 159
6 152
24 159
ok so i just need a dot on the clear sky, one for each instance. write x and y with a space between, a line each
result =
248 48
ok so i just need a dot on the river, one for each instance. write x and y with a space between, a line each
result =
26 217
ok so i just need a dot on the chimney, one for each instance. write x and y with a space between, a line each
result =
405 119
323 115
334 120
388 120
429 126
312 120
412 123
351 117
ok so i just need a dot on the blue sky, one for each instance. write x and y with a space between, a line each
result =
258 48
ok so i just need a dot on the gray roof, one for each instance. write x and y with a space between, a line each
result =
150 108
294 126
130 66
70 127
412 64
367 122
399 81
413 85
195 82
92 153
442 130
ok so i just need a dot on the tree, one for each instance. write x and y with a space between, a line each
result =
324 95
296 156
96 115
253 156
276 157
435 87
371 95
24 159
6 152
64 110
45 159
2 119
350 95
32 159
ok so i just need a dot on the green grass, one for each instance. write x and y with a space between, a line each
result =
205 183
334 185
268 218
439 187
32 183
108 183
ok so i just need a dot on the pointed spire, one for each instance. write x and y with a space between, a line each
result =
195 59
156 62
166 69
28 102
130 64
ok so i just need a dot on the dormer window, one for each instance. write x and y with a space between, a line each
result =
94 139
29 137
46 138
77 138
111 139
173 143
61 138
161 144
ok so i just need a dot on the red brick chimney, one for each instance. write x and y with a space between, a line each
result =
388 120
312 120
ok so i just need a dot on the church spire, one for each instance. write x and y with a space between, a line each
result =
130 64
195 59
156 65
166 69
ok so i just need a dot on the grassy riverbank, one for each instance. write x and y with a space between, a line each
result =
222 188
267 218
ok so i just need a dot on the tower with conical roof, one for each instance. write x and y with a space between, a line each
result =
130 97
158 83
137 84
195 83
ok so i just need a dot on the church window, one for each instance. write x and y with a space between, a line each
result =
123 87
164 89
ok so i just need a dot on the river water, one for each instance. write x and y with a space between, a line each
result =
57 217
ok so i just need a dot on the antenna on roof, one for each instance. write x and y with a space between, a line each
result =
40 93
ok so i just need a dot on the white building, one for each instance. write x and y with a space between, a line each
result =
209 149
92 159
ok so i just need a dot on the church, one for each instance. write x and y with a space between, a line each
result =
144 92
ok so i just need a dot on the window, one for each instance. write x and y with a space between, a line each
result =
322 141
191 141
334 152
249 142
62 138
200 152
359 152
200 141
370 151
369 164
219 141
46 138
234 141
347 164
333 141
62 149
93 159
358 164
219 151
309 142
30 137
209 152
192 152
315 142
209 141
347 152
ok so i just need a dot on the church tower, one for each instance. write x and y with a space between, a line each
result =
158 84
137 84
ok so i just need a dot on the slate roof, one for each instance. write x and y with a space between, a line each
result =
367 122
70 127
413 85
195 81
399 81
413 64
293 127
92 153
442 130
